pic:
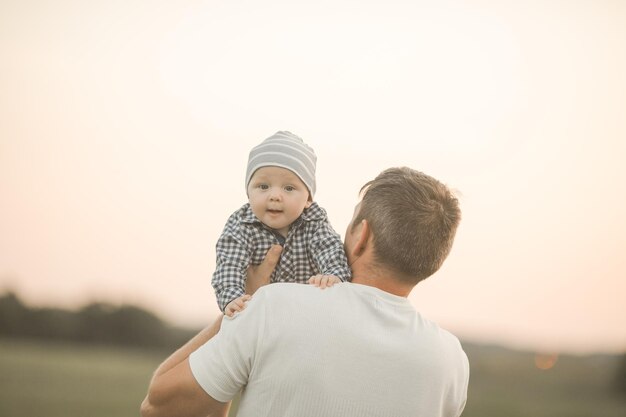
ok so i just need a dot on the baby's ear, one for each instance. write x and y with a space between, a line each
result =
308 202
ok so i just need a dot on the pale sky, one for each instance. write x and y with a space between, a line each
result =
125 128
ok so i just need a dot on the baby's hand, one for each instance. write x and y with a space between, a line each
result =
237 305
324 281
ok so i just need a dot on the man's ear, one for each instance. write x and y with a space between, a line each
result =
362 238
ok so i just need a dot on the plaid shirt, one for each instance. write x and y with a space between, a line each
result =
312 247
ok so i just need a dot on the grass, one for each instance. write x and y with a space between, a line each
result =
49 379
508 384
54 379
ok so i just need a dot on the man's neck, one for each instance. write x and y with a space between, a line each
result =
366 271
382 279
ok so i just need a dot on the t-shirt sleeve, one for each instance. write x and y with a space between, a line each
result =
222 366
458 371
327 251
464 384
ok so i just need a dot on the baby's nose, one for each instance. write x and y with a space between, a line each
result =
275 194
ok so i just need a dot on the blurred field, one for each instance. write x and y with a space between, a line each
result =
53 379
506 383
57 380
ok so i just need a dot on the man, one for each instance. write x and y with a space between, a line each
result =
355 349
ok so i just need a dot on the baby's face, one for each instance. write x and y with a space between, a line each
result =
277 197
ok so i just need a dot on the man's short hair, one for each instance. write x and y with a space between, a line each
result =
413 219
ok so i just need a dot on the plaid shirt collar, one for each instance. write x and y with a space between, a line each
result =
313 213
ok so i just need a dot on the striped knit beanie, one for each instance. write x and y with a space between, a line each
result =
286 150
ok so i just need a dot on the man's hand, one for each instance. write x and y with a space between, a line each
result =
259 275
324 281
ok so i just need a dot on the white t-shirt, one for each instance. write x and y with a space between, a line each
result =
348 350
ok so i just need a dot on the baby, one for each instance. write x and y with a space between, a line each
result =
280 183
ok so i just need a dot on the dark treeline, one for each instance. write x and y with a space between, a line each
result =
96 323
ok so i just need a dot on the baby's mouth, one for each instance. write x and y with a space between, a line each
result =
274 211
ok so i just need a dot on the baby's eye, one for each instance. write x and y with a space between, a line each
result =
264 186
290 188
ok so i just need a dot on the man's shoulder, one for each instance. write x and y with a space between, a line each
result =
439 345
281 290
296 296
291 288
438 333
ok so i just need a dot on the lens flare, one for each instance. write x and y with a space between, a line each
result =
545 361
